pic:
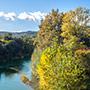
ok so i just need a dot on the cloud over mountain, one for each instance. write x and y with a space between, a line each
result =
31 16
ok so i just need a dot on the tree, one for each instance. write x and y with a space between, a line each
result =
75 27
28 46
60 70
11 47
49 33
0 37
50 30
7 36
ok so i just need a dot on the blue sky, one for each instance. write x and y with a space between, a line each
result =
24 15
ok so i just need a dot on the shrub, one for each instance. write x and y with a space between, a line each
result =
35 59
84 57
25 80
60 70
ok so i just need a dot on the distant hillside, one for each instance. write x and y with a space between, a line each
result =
30 34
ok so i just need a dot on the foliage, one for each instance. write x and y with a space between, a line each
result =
50 30
60 70
84 56
28 46
49 33
75 28
3 53
11 47
35 59
25 80
7 36
64 66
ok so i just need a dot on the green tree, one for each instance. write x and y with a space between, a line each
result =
0 37
7 36
28 46
12 47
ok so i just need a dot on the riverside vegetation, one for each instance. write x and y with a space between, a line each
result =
61 58
14 48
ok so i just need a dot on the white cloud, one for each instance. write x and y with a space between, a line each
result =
8 16
19 31
38 15
25 16
32 16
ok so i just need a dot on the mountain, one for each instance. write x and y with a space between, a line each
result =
30 34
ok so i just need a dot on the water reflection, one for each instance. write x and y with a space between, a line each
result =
8 69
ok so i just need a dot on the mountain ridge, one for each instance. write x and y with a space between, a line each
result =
30 34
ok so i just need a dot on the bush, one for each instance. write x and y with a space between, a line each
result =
84 57
60 70
25 80
35 59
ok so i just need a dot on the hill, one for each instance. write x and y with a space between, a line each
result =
30 34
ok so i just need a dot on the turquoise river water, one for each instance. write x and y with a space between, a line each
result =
10 75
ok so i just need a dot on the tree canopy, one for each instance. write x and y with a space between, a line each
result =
50 30
61 58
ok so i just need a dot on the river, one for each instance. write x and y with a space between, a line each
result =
10 75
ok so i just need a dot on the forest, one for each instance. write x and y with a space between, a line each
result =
14 48
61 57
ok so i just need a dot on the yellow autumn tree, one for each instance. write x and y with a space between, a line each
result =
75 28
60 70
49 33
